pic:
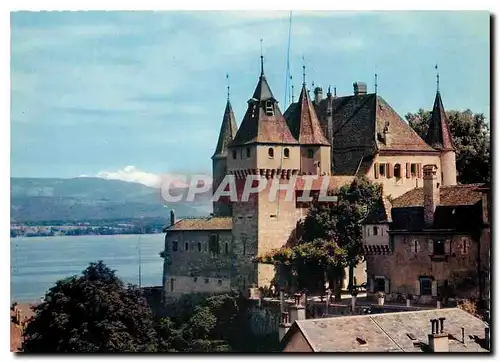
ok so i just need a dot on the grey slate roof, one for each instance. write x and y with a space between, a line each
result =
227 132
388 332
439 135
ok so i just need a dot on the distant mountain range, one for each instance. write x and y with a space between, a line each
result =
88 198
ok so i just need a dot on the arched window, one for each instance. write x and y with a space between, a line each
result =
199 246
226 248
249 153
310 153
234 154
397 170
270 152
375 230
286 152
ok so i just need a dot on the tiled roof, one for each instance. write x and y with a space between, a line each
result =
227 132
439 135
380 213
259 127
200 224
303 122
388 332
363 125
449 196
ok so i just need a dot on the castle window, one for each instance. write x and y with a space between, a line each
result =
186 246
195 279
213 244
438 247
425 286
249 153
379 284
269 108
226 248
397 170
415 245
310 153
413 169
172 284
175 246
382 169
465 246
207 280
375 230
199 246
270 152
234 154
219 281
286 152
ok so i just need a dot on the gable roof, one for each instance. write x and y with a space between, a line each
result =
388 332
363 125
438 134
303 121
227 132
259 127
201 224
455 195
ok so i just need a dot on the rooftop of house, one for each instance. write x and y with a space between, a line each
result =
390 332
380 213
201 224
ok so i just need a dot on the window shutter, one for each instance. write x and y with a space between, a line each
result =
434 288
387 286
430 244
447 247
419 170
376 169
390 170
408 170
417 287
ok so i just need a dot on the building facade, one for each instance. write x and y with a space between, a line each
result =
339 138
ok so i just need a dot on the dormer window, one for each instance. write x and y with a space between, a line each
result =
286 153
270 152
269 108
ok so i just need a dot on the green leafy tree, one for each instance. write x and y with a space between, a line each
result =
330 239
93 312
471 137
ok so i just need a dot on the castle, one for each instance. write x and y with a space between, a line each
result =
338 137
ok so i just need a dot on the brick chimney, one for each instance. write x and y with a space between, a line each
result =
172 217
359 88
431 193
284 325
438 339
296 310
318 95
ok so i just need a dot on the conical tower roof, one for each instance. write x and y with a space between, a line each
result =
439 135
227 132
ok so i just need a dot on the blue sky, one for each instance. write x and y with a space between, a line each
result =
111 93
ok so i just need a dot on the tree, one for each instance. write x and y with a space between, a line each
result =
471 137
330 238
93 312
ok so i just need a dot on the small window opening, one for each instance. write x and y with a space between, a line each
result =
234 154
379 285
361 340
381 169
226 248
438 247
397 170
207 280
195 279
175 246
413 169
219 282
310 153
425 286
269 109
172 284
186 246
286 152
270 152
199 246
375 230
249 152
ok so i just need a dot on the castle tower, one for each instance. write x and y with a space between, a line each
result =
439 137
265 154
219 159
315 157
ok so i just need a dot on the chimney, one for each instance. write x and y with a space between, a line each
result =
359 88
284 325
438 339
318 95
431 193
172 217
297 311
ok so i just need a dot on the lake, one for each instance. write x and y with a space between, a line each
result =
38 262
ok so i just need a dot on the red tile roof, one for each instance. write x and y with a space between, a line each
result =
449 196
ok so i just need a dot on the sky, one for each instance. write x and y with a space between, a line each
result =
132 95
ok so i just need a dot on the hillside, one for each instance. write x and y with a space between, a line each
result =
42 199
